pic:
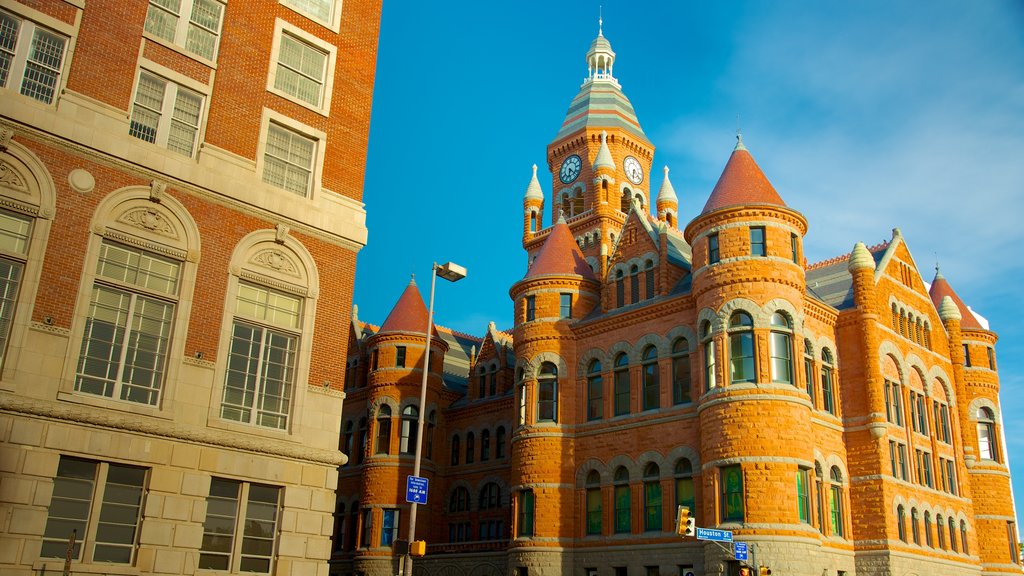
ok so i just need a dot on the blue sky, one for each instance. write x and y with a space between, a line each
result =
864 115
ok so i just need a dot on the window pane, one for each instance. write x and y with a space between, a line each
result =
9 28
300 70
102 341
741 347
10 280
243 362
73 488
149 99
185 122
219 526
43 66
319 9
288 160
14 230
204 25
119 516
162 18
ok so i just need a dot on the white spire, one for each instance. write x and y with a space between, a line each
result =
604 156
533 191
600 58
667 193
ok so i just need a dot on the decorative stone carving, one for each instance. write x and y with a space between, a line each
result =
149 219
276 260
81 181
10 178
281 233
156 190
5 138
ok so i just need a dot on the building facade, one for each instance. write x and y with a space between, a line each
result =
180 204
842 417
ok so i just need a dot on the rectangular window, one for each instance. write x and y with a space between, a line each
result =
316 9
400 356
1011 535
901 455
757 243
793 245
803 495
531 308
31 58
927 465
713 256
261 364
389 527
809 379
192 24
623 514
100 503
913 411
301 70
242 509
526 510
621 378
128 331
991 358
951 475
166 114
565 305
288 160
967 356
15 231
827 392
781 355
730 490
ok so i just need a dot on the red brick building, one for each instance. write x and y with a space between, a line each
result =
842 418
180 205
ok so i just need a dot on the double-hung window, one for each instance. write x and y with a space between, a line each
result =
301 70
261 364
321 10
15 232
191 24
240 526
288 160
100 504
166 114
128 331
31 58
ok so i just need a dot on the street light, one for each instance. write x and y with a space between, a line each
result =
453 273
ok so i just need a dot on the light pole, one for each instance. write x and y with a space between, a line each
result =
453 273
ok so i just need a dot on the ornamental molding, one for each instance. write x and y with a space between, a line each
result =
11 178
276 260
151 220
157 188
275 283
50 329
132 240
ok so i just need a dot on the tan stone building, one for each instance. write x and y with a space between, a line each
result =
180 210
841 418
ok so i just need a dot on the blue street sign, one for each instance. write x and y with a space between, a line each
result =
739 551
714 535
416 490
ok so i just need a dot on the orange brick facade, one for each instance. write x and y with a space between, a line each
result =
825 414
151 135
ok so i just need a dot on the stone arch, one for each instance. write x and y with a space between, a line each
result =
26 184
652 456
937 374
455 485
505 490
683 452
542 357
628 463
982 402
682 331
655 340
711 316
744 305
486 569
782 305
374 406
593 464
621 347
586 357
835 461
823 342
888 349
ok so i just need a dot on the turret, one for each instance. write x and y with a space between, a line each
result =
533 206
668 203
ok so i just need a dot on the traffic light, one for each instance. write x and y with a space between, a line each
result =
686 525
764 571
745 571
418 548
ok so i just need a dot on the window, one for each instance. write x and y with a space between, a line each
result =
963 536
400 356
485 445
652 498
317 9
490 496
499 443
493 379
236 509
713 255
362 441
793 246
621 377
166 114
652 386
709 356
31 58
389 527
634 284
924 467
621 501
681 372
836 502
288 160
898 459
346 443
757 243
620 290
593 497
803 495
952 534
383 444
827 388
967 356
987 442
531 308
481 380
928 530
364 537
15 232
685 495
301 70
940 415
991 358
915 526
547 393
565 305
649 280
809 371
408 440
595 391
901 522
431 425
261 363
526 512
470 447
893 402
781 349
459 501
940 530
128 330
339 528
730 485
819 485
198 33
101 502
741 348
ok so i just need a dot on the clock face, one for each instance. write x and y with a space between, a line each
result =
570 169
634 171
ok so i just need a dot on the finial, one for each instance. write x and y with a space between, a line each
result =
666 171
535 170
412 279
600 19
938 273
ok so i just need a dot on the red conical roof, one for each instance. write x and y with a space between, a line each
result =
940 289
560 255
409 313
742 182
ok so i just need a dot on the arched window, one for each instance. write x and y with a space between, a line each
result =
649 279
709 356
827 384
836 502
470 447
894 402
627 199
521 395
456 449
819 485
459 501
481 382
901 522
803 494
621 378
346 439
490 496
593 489
685 495
409 430
533 222
780 347
547 393
809 372
987 440
895 318
361 435
485 445
339 528
620 290
928 529
652 498
652 382
566 206
915 526
577 203
499 443
741 348
383 430
431 425
353 525
940 530
952 535
963 537
595 391
634 284
493 381
623 516
681 371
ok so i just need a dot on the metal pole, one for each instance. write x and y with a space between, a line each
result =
419 421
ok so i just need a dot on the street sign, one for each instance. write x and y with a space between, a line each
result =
739 551
416 490
714 535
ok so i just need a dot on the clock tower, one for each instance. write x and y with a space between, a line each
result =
600 162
